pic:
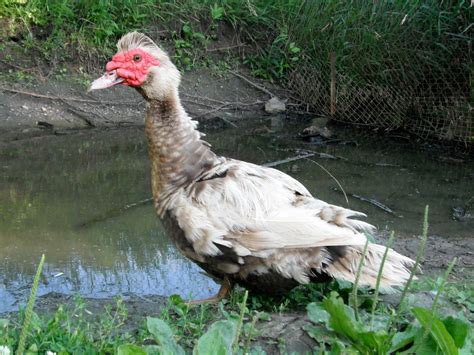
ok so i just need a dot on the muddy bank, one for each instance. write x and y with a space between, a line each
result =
42 107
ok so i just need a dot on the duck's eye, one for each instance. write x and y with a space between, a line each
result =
137 58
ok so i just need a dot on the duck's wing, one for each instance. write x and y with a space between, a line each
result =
253 210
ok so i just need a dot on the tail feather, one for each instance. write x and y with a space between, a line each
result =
396 270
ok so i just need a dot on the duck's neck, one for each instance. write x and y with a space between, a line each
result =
178 156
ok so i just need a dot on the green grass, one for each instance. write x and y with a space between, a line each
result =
378 39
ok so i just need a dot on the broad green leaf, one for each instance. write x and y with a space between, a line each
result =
4 323
342 318
164 336
159 329
130 349
401 339
423 346
153 350
438 331
217 340
458 330
467 348
176 299
316 313
374 339
264 316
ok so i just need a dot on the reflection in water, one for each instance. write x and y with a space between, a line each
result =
65 196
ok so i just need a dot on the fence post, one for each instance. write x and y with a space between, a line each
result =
332 60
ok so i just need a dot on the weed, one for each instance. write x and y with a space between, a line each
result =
29 308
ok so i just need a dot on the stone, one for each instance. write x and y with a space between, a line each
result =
313 131
275 105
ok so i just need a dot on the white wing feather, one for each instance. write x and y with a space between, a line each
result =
253 209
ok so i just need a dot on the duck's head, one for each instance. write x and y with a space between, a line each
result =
141 64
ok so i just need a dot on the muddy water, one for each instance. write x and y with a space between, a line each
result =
80 200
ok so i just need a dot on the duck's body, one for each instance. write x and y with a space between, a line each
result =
252 225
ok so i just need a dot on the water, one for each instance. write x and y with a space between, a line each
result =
70 198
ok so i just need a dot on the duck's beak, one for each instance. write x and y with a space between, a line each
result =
107 80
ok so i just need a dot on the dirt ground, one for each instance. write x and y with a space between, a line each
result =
54 106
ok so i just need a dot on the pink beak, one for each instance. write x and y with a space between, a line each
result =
107 80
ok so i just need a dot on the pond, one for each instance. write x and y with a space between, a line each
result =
82 200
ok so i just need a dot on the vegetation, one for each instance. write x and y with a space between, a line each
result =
337 325
420 32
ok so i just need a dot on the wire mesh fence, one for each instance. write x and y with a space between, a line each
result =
436 106
403 64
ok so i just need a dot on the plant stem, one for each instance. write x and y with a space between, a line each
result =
419 255
29 308
235 346
434 306
356 282
379 278
250 335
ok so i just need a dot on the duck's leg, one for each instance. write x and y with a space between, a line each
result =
223 292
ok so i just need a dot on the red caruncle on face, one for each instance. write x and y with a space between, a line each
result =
132 66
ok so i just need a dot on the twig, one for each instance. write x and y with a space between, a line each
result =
334 178
287 160
17 66
233 103
226 48
48 97
196 103
204 98
212 111
116 212
374 202
79 113
261 88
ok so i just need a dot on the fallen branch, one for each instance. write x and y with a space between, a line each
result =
48 97
230 103
374 202
115 212
288 160
261 88
215 109
197 103
319 154
18 67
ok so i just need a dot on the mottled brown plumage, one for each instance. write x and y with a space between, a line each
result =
252 225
